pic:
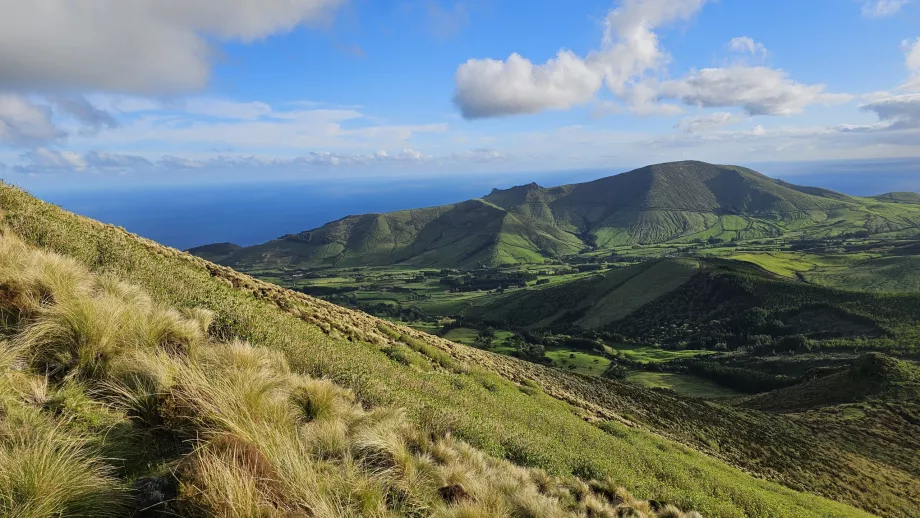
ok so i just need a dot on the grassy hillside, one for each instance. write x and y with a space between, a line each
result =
521 412
591 303
113 404
900 197
673 202
730 305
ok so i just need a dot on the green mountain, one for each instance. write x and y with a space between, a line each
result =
672 202
139 380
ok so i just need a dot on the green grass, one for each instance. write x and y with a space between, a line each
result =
783 264
660 278
685 384
649 354
245 435
884 274
483 408
578 361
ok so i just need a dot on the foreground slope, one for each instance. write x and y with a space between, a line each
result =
100 386
679 201
522 412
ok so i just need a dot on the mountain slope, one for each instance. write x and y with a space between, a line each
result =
209 428
592 303
900 197
679 201
525 413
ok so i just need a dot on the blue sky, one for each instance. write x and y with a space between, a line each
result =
164 92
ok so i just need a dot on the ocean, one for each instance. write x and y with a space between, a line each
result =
252 213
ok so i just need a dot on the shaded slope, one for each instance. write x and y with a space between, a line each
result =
899 197
483 399
678 201
591 303
731 304
873 376
215 252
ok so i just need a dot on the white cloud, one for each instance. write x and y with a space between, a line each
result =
284 132
882 8
25 123
745 44
630 48
705 123
493 88
898 112
133 46
758 90
912 60
44 161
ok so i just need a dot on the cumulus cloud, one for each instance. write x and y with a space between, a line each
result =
758 90
747 45
898 112
882 8
705 123
25 123
493 88
630 48
146 46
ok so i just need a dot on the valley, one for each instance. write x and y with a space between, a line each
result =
767 376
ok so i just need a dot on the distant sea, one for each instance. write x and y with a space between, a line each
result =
251 213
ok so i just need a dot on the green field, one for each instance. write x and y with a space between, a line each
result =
649 354
578 361
685 384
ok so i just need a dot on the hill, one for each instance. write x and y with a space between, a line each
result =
874 377
900 197
591 303
525 414
101 385
672 202
713 304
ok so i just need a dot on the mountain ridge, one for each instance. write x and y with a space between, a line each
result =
670 202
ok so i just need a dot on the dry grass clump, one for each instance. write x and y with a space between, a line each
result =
96 364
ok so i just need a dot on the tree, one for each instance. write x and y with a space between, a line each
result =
528 351
615 371
485 337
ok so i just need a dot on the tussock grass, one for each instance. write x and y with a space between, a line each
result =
50 474
556 430
96 365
